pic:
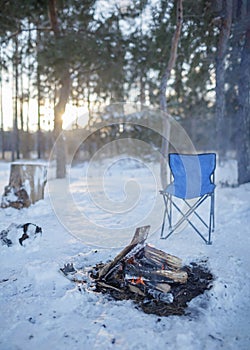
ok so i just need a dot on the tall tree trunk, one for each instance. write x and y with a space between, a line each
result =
142 89
243 132
38 101
58 112
21 99
163 89
62 100
15 134
1 111
38 115
221 127
23 138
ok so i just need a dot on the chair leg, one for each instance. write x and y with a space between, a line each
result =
192 209
163 222
209 242
186 215
212 204
166 212
170 213
196 214
211 219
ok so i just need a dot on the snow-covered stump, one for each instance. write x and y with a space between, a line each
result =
26 185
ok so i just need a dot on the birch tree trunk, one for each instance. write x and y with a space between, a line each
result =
60 106
222 47
163 89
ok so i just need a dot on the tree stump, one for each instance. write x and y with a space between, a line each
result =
26 185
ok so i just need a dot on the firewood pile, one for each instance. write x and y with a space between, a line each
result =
157 281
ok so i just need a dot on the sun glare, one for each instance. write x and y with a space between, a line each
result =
75 117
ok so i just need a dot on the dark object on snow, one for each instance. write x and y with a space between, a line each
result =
26 185
26 229
155 280
4 238
68 269
15 234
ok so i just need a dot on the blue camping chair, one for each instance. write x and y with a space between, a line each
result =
193 178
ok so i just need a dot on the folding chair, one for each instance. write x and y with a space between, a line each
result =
193 179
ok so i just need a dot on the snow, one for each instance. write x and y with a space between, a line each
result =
10 197
27 187
41 309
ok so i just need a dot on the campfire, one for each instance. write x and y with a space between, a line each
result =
158 282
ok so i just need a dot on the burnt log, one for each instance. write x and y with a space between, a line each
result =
136 270
107 286
175 276
163 287
140 237
135 289
161 259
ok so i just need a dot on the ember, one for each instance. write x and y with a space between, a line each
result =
155 280
139 281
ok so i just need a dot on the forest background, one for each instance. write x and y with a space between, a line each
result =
61 60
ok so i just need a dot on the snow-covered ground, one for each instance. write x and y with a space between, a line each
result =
41 309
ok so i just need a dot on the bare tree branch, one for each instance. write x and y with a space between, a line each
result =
172 58
163 89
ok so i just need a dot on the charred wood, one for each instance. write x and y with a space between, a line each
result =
135 289
140 237
156 275
162 259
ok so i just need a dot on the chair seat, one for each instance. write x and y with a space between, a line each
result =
184 193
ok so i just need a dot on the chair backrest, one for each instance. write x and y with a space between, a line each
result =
192 174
